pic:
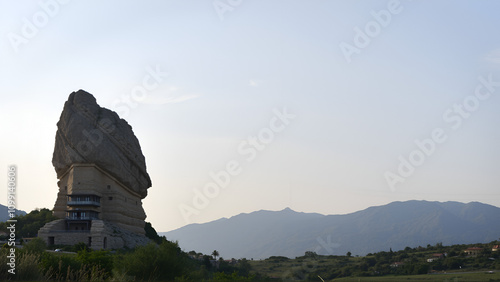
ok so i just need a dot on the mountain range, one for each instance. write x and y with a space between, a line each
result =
262 234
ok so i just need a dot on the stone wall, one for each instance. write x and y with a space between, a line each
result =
102 235
56 229
119 204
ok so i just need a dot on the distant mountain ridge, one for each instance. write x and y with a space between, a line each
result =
4 213
262 234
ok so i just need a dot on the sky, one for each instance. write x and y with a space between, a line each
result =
321 106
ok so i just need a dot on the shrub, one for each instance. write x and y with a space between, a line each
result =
35 246
100 259
27 268
57 267
153 262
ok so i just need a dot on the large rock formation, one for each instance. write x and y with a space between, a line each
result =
102 179
88 133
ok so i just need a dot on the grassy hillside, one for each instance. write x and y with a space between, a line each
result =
382 266
164 260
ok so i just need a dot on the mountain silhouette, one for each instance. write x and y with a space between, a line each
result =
262 234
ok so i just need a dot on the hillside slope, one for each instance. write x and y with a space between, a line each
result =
396 225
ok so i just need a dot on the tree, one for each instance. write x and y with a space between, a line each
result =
36 245
80 247
206 262
27 226
101 259
154 262
215 254
348 254
422 269
310 254
152 234
245 267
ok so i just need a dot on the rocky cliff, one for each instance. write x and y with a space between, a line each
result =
88 133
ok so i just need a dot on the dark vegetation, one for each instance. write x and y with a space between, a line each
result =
160 260
27 226
163 260
410 261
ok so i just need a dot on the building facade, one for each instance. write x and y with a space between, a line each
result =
97 209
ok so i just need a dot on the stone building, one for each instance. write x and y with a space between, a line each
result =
102 179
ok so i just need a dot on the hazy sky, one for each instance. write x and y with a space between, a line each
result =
312 105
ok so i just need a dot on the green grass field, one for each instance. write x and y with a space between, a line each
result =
455 277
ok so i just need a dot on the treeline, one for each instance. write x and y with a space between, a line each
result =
160 260
153 262
27 226
163 260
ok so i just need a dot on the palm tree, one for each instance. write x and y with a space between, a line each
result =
215 254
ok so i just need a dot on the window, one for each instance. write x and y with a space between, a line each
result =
90 241
51 241
110 198
109 187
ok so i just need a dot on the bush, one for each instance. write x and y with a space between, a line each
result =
152 234
80 247
56 267
221 276
65 267
28 225
35 246
28 268
153 262
100 259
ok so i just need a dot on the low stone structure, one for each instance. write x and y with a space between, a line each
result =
101 235
102 179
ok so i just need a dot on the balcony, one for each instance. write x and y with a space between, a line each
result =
69 231
84 203
81 217
84 200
